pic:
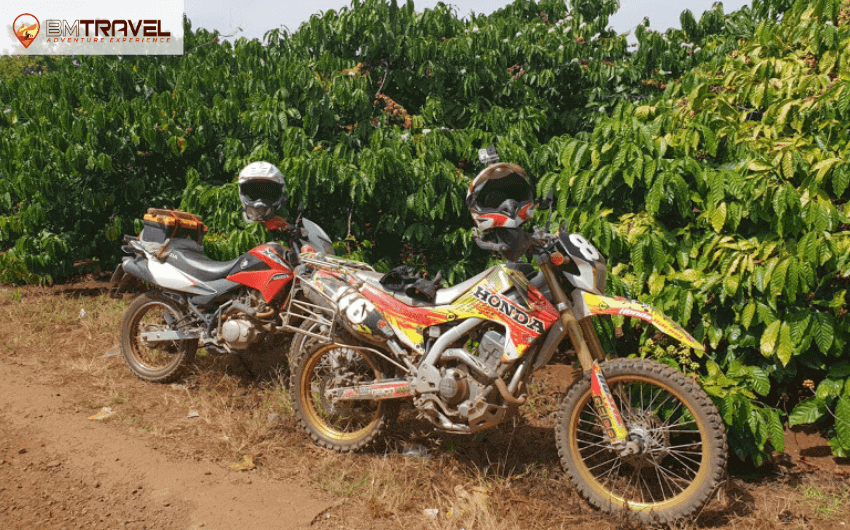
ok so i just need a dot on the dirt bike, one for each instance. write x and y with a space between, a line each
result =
633 435
224 306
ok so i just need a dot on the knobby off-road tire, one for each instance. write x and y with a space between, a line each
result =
343 426
158 363
683 432
301 342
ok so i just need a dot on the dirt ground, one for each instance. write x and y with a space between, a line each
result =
220 449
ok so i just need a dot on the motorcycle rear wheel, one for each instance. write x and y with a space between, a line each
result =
683 455
161 362
341 426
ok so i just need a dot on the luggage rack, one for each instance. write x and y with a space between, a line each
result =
299 311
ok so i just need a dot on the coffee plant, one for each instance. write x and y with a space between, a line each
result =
708 163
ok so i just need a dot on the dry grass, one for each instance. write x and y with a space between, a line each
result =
505 478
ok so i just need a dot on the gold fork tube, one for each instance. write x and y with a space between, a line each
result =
592 338
565 307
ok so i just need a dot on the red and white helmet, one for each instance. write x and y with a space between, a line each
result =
501 196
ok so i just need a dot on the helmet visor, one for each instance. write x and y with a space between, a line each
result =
261 190
494 192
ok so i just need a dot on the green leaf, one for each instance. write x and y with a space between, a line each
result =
775 428
718 217
829 388
824 166
839 370
783 114
731 284
769 338
788 166
792 279
686 305
747 314
759 380
786 348
842 422
759 166
766 313
656 193
806 412
777 279
824 331
840 177
659 257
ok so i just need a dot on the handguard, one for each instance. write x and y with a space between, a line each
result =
605 305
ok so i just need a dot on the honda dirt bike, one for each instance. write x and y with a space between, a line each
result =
633 435
224 306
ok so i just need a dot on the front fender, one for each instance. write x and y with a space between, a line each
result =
594 304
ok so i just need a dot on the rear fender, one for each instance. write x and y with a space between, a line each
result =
587 304
137 267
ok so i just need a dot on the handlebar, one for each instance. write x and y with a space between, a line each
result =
488 245
539 239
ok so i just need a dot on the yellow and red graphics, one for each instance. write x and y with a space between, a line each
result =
606 305
26 28
605 407
484 300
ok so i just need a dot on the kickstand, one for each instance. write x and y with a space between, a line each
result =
247 368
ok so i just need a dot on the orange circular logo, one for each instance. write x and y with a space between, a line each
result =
26 28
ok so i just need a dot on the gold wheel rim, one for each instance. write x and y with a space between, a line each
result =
309 399
621 501
141 353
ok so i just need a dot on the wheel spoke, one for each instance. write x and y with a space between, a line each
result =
666 473
596 453
637 470
616 457
648 489
661 482
675 453
667 421
684 466
594 444
600 436
612 470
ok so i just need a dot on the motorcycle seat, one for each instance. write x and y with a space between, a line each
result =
197 265
443 296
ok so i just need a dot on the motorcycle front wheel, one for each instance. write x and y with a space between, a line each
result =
343 426
682 443
161 362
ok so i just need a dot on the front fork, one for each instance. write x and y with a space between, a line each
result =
590 354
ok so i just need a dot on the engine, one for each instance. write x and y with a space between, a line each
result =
239 333
465 395
244 321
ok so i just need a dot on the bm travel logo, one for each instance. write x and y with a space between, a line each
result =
92 27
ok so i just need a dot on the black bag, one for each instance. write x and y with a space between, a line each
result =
415 286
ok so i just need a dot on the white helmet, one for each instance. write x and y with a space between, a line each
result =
261 190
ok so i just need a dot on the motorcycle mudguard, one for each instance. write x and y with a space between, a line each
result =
606 305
